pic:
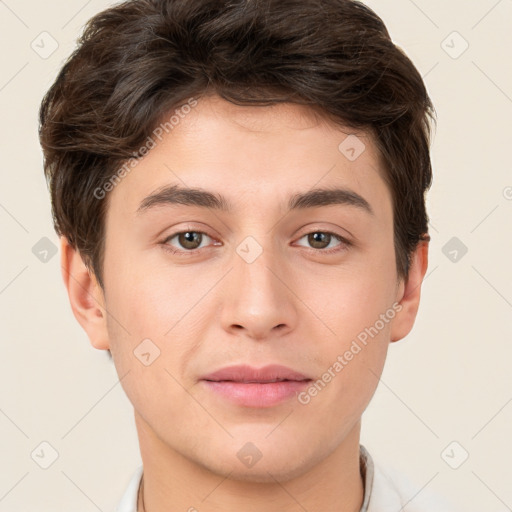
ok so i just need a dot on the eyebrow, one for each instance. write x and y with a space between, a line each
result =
176 194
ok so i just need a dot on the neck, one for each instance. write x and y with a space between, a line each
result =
172 481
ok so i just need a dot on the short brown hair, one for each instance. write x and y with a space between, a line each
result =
142 58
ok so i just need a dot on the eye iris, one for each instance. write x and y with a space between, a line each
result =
319 238
189 239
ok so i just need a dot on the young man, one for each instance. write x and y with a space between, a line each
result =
239 189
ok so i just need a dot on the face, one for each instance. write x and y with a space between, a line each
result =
263 277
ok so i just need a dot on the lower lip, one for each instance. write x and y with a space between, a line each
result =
256 394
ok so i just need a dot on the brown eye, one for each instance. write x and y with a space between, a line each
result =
325 242
319 239
187 241
190 239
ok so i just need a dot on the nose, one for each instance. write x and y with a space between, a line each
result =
259 300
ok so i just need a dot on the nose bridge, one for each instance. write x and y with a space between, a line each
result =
257 300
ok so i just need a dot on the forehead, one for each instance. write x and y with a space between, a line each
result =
253 153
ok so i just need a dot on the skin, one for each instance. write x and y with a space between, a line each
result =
214 309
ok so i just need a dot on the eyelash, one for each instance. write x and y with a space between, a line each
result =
345 244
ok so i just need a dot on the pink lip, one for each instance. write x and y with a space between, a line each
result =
253 387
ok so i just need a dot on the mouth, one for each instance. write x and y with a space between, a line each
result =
259 381
249 374
257 388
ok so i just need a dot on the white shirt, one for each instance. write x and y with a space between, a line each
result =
385 490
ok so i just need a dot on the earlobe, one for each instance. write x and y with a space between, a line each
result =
85 296
409 293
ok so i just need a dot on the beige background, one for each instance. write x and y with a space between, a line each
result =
449 380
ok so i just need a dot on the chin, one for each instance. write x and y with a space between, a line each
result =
268 474
275 466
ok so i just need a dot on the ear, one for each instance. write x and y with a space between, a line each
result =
85 296
408 294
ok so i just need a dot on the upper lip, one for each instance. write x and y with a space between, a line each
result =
245 373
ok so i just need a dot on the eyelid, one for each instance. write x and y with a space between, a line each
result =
347 239
345 243
182 231
174 250
313 228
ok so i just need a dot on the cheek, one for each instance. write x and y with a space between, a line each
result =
152 311
148 357
359 314
356 301
140 293
352 362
